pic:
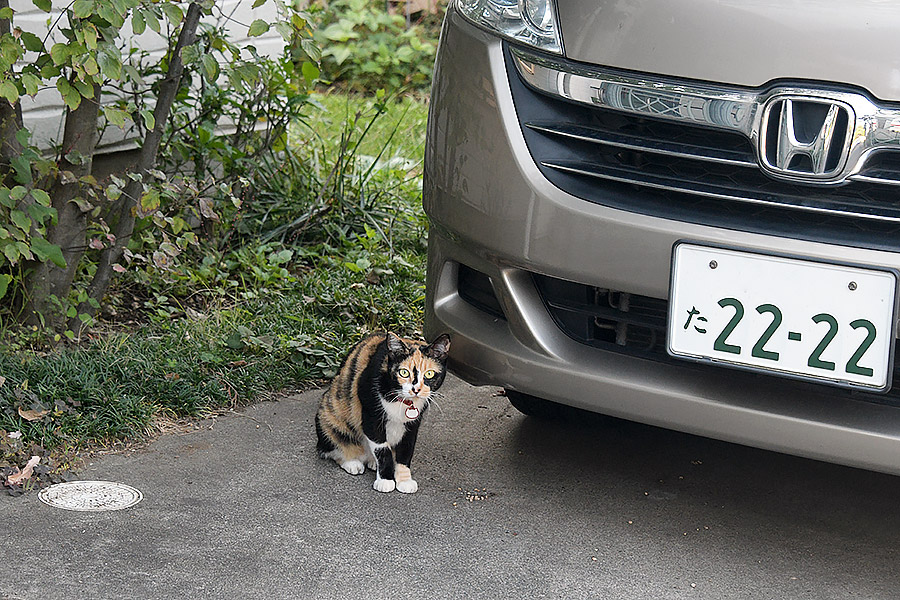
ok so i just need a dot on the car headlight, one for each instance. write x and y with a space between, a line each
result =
532 22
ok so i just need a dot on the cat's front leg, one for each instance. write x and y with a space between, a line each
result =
405 482
404 450
384 467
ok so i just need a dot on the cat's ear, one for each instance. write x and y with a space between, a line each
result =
395 345
439 348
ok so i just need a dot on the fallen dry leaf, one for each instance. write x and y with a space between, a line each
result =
20 476
32 415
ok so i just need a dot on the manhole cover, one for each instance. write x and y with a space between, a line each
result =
90 495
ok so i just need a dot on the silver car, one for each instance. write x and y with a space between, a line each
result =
681 213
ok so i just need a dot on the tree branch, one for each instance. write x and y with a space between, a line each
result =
124 224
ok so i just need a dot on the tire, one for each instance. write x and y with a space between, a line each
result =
532 406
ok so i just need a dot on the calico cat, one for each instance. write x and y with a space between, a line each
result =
371 412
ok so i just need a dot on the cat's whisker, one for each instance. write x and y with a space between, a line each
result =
433 400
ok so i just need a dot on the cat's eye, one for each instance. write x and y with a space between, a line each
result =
403 373
429 374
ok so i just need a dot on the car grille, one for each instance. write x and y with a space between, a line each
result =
635 325
679 170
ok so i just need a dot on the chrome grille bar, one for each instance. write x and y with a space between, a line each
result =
745 196
642 144
874 127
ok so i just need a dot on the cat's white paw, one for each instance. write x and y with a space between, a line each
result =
354 467
407 487
384 485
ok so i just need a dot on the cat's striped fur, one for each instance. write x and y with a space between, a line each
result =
370 414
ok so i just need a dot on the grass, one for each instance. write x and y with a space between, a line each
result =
265 318
400 133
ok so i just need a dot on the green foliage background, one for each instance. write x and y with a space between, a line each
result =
365 48
259 258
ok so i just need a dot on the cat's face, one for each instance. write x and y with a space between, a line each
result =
417 370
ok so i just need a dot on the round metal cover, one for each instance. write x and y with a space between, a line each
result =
90 495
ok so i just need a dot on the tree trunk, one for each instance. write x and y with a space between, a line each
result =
123 217
10 117
46 279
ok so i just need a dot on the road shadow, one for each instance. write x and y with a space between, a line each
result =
658 465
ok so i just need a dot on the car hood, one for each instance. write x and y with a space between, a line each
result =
741 42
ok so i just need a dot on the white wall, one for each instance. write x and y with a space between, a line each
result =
44 113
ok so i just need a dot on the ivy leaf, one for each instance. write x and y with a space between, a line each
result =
108 13
23 135
149 201
257 28
4 284
32 84
44 5
70 95
9 91
190 54
82 9
91 68
178 225
17 193
310 71
210 67
20 220
138 24
173 12
286 31
113 192
86 91
110 61
258 3
311 48
149 119
41 197
298 22
22 167
152 21
90 36
41 213
11 251
31 42
44 250
60 53
116 116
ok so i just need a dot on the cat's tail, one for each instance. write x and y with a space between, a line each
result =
324 445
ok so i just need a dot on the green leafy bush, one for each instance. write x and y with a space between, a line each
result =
64 233
365 48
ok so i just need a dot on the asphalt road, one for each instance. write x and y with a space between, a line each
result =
507 507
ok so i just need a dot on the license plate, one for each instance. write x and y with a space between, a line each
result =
828 322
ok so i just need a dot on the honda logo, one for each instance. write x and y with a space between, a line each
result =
805 138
